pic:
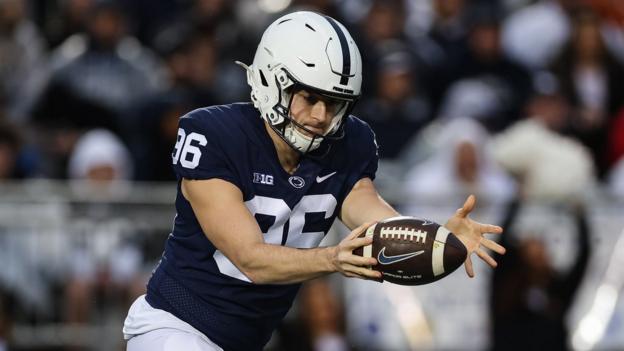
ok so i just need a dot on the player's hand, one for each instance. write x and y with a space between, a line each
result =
350 265
470 233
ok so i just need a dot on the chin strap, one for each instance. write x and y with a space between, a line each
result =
300 141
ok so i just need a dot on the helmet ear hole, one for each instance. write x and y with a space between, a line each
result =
282 77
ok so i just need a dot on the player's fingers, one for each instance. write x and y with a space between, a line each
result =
349 275
494 246
359 230
361 272
468 266
468 206
361 261
489 228
358 242
484 256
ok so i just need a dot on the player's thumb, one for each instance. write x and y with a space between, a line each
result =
468 206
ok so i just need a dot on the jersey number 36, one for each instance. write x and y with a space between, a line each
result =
184 147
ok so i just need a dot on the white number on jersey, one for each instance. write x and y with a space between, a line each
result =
183 148
325 203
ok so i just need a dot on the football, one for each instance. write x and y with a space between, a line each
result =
413 251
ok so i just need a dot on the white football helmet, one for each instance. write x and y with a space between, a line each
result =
309 51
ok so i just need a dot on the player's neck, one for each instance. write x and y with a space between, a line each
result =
288 157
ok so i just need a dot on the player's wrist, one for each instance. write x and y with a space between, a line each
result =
330 257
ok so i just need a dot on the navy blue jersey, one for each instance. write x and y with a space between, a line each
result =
195 281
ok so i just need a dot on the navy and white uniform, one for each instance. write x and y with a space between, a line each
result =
197 283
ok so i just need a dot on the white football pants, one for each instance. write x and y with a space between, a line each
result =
150 329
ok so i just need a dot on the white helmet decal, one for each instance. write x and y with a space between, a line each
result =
310 51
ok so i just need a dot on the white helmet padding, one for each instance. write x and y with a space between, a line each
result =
309 51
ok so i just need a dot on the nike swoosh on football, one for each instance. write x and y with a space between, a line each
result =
383 259
323 178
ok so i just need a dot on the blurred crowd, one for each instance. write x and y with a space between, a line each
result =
505 99
133 67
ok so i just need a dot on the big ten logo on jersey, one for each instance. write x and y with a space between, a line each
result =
288 225
260 178
184 147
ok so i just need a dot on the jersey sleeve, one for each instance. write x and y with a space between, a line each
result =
198 152
360 152
371 160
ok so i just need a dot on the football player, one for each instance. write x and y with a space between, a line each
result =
259 185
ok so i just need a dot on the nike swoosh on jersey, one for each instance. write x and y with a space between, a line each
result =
323 178
383 259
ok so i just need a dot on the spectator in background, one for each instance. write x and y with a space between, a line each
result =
96 78
100 157
148 17
615 179
483 59
22 286
593 81
319 324
190 55
530 299
65 18
398 109
156 133
536 34
100 162
460 164
5 319
616 139
232 40
220 18
615 175
384 23
534 151
10 145
217 22
448 32
612 26
612 14
18 159
481 99
323 317
21 51
449 26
